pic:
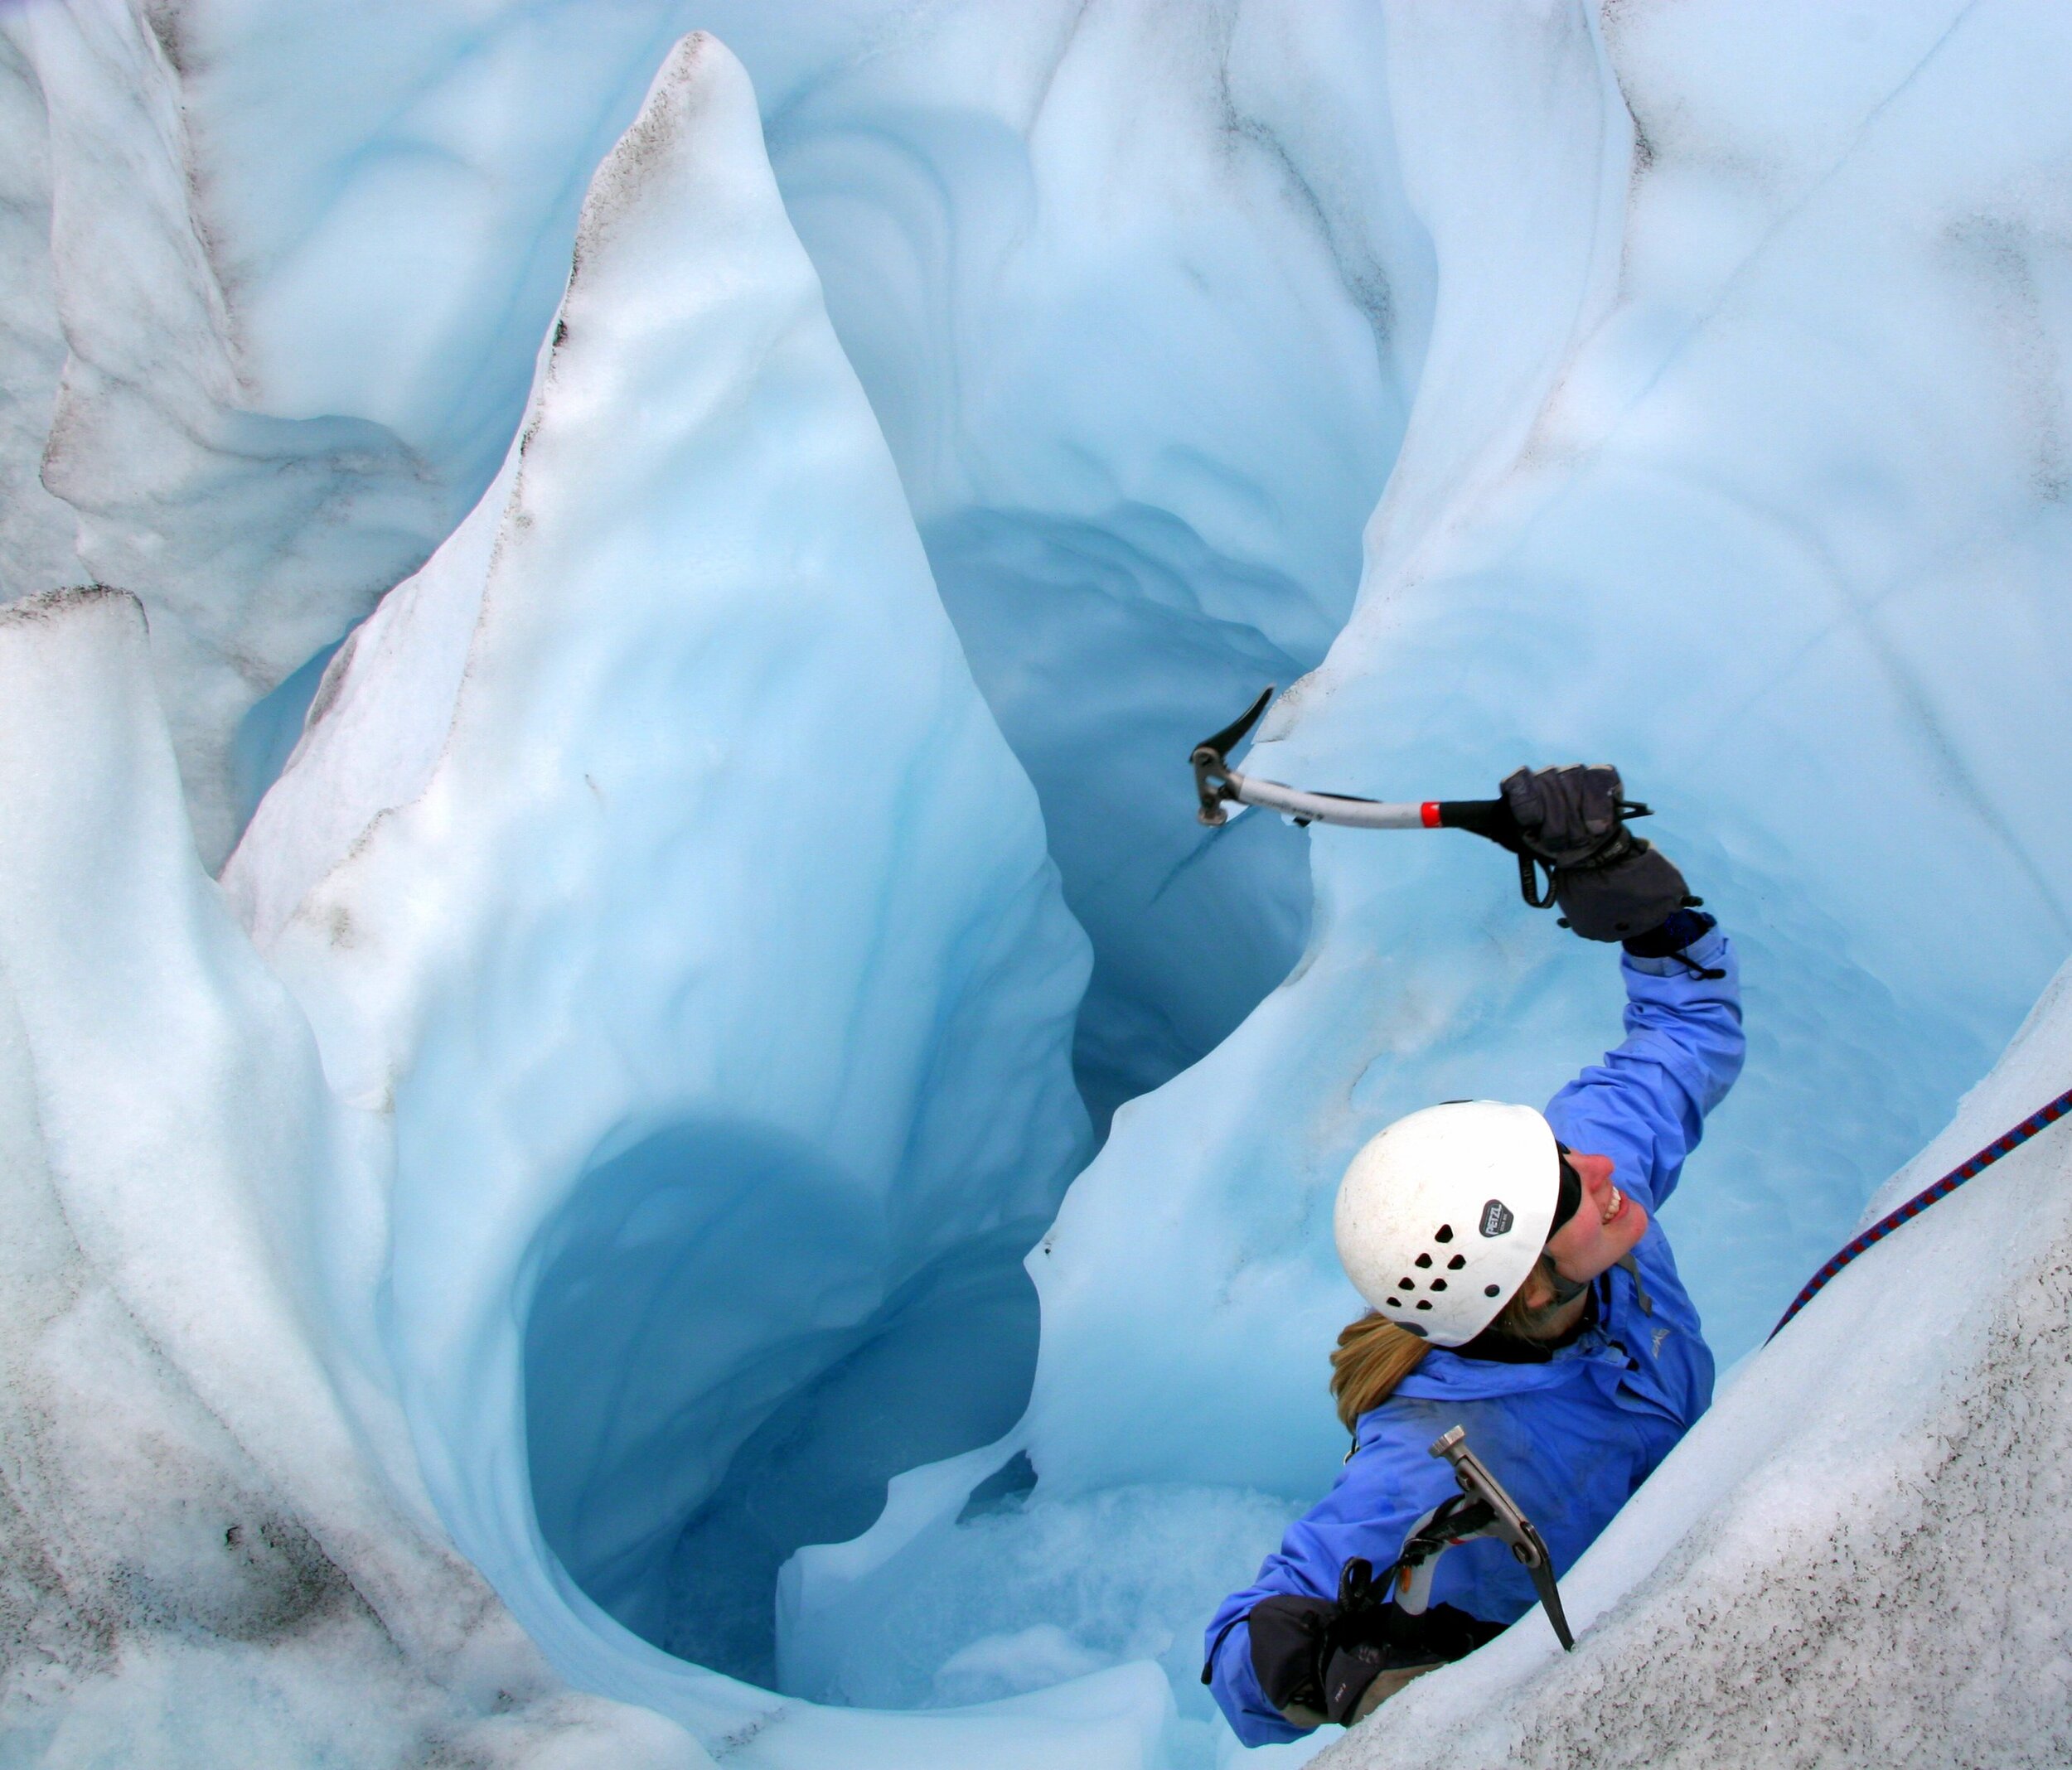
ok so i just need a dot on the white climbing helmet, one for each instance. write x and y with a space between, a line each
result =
1441 1215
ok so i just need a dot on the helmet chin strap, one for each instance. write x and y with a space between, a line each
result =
1565 1290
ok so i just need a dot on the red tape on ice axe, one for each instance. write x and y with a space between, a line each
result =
1978 1163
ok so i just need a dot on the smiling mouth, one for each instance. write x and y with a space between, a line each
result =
1618 1207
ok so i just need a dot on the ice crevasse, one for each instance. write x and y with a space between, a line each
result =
529 1266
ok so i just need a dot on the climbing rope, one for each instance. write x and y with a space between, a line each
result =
1922 1200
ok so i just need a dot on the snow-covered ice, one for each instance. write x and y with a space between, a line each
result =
217 1549
254 535
36 528
515 1261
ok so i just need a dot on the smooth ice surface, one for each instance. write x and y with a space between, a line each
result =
1201 209
712 1181
695 993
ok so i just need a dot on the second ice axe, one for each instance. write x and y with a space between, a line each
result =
1219 786
1376 1657
1482 1508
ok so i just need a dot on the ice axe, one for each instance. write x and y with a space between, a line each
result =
1482 1509
1219 785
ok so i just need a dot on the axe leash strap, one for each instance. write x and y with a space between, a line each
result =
1978 1164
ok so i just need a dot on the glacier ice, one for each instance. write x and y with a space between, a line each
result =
217 1549
35 530
253 535
1180 201
970 198
661 894
711 1190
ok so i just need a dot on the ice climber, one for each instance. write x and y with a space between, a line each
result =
1520 1287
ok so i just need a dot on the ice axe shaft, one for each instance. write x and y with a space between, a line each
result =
1507 1524
1219 786
1484 817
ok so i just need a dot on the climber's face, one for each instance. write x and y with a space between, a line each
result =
1605 1227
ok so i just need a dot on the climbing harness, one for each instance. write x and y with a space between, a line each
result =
1922 1200
1219 786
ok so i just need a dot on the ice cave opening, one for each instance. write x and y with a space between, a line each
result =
681 1452
1097 648
681 1449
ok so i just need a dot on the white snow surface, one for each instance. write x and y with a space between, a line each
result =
476 1309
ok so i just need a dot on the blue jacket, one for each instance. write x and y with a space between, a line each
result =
1573 1437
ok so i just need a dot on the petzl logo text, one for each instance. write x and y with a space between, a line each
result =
1496 1218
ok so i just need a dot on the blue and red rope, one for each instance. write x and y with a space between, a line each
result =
1978 1164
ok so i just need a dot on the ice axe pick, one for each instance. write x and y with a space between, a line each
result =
1219 786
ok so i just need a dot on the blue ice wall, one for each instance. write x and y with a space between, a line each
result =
1685 386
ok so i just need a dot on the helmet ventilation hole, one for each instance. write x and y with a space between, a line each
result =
1422 1259
1488 1290
1394 1303
1456 1263
1438 1283
1406 1284
1424 1303
1445 1233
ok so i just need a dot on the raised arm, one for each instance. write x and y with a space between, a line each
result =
1644 1105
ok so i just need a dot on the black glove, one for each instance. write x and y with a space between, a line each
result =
1611 884
1566 816
1320 1661
1290 1644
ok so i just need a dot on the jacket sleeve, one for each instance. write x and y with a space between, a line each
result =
1232 1681
1645 1105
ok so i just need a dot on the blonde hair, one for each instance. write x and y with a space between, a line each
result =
1374 1354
